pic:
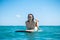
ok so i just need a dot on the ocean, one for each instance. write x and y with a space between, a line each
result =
47 33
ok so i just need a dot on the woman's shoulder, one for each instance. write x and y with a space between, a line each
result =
26 21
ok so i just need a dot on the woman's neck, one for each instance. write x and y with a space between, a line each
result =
30 21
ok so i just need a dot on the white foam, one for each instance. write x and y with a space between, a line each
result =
40 30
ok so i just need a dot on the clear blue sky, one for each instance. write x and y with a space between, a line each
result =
14 12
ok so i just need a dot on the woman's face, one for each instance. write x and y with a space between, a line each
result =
30 17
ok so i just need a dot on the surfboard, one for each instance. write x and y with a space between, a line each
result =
28 31
23 31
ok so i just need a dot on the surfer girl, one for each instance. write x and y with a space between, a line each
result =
31 25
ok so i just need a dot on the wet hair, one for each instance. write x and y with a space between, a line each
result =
32 17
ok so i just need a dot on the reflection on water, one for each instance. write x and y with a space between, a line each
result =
30 36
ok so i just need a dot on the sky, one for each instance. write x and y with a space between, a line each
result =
15 12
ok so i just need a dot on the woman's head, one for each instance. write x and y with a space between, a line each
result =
30 17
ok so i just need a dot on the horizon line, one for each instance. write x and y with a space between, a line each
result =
25 25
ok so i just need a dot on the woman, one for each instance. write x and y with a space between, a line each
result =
31 24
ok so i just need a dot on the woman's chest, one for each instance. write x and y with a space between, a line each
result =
30 24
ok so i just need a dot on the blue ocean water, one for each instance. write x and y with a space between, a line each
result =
47 33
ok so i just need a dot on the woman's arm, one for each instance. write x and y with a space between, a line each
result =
36 22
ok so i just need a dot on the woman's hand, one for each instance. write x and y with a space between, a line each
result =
36 23
36 20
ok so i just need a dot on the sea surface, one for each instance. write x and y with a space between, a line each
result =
46 33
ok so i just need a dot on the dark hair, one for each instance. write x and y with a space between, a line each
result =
32 17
